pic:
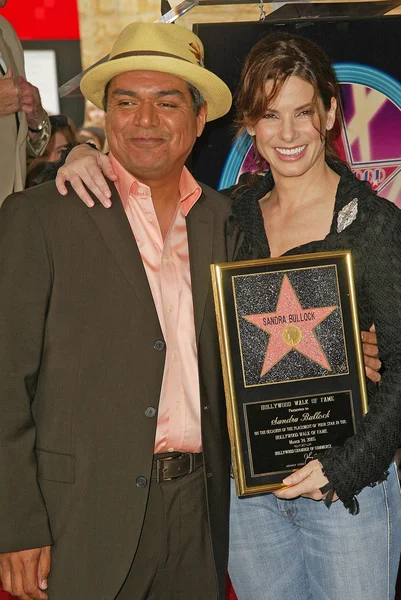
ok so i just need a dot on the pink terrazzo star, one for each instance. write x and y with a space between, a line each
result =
291 327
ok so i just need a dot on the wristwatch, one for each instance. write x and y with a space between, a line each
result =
40 127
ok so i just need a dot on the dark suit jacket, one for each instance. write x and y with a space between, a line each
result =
78 368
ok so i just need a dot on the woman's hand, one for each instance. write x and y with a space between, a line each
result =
371 354
306 482
85 165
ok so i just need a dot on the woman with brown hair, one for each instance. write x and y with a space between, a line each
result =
334 532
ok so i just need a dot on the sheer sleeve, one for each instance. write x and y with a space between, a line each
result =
365 458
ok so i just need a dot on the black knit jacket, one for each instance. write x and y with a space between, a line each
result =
374 237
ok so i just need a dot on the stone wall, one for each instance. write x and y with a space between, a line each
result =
101 20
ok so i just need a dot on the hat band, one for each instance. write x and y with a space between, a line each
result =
152 53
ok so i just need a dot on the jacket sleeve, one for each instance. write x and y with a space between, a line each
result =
25 284
365 458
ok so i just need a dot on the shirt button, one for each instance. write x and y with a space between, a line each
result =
159 345
141 482
206 407
150 412
171 449
177 404
166 260
170 308
141 191
149 217
174 355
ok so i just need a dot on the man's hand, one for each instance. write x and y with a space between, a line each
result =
305 482
10 95
24 574
84 165
371 354
31 103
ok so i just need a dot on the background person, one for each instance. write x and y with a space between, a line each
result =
44 168
24 125
63 134
93 134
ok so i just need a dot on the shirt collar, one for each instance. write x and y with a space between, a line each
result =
127 185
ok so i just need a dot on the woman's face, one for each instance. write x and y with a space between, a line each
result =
56 145
289 136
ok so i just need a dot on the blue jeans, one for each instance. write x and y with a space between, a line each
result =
300 550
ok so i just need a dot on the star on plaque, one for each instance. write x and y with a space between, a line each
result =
291 327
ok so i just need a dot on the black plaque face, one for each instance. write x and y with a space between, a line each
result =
282 435
292 362
285 334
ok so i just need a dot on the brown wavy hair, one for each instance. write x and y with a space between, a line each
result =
275 58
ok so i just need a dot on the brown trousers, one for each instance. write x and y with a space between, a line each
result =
174 556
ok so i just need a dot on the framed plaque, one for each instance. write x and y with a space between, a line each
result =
292 361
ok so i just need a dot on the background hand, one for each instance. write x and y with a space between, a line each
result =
31 103
10 95
84 165
24 574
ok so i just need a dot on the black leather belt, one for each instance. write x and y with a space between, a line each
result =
166 468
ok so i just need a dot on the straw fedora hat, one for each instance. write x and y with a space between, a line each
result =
160 47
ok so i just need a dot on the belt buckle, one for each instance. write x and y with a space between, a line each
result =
159 463
191 462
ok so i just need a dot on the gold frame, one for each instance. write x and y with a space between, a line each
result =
217 273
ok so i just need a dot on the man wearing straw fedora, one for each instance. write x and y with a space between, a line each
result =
114 454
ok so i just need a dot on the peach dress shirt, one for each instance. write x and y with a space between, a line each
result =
168 271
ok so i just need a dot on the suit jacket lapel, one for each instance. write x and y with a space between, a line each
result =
7 55
117 233
200 242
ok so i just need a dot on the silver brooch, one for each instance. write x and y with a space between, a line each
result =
347 215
